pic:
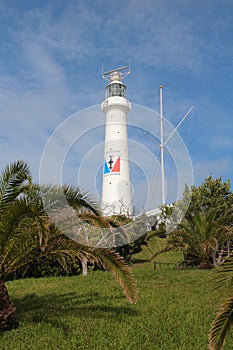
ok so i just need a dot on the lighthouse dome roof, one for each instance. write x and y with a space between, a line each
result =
115 77
116 82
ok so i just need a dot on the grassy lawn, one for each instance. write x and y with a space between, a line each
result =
174 312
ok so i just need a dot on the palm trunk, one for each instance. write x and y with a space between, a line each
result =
84 266
7 309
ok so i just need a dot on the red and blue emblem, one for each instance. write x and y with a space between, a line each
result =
112 165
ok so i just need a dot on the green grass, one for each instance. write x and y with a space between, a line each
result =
174 312
155 245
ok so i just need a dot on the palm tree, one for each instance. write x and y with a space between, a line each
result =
224 317
27 234
11 185
200 237
206 235
203 237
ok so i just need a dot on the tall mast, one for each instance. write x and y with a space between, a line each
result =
162 146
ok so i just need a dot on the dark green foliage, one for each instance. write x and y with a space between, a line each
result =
127 250
211 194
135 245
205 234
158 231
47 266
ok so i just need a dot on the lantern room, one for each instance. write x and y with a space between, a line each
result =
115 88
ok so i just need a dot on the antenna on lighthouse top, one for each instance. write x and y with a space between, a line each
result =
116 74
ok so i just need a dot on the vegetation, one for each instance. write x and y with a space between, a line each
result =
170 302
223 277
205 234
205 237
174 311
27 234
212 193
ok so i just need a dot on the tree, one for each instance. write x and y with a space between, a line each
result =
27 234
11 186
224 317
211 194
209 220
205 234
201 235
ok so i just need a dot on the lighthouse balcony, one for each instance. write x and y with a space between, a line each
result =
118 101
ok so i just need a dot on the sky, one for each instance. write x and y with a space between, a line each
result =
51 68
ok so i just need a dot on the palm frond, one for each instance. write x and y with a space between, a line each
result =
18 252
63 248
109 259
221 325
95 220
27 233
223 275
22 228
114 263
56 198
78 198
11 180
161 251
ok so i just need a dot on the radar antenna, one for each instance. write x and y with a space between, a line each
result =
120 73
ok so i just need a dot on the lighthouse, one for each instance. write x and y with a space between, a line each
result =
116 188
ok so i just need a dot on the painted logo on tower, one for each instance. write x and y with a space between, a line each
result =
112 164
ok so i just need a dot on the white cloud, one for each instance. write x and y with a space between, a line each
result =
51 67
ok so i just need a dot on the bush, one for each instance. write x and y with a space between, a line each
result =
48 266
127 250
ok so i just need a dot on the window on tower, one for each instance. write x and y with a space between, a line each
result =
115 89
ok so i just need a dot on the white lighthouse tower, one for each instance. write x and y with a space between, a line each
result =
116 188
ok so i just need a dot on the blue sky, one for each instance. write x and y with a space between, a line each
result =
51 61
